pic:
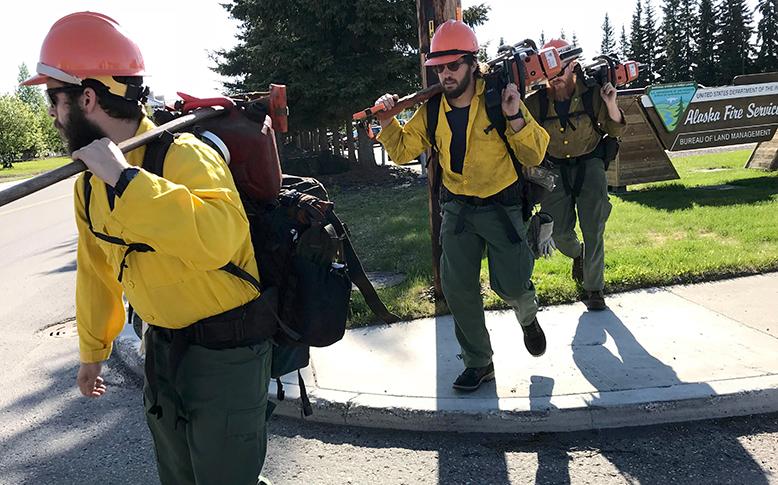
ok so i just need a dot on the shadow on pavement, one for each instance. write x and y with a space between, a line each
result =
634 364
84 441
552 463
684 453
62 269
450 462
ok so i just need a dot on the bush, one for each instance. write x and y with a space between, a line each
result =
52 142
20 131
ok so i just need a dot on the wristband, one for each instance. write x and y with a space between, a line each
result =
516 116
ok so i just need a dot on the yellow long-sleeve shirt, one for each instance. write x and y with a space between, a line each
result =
488 168
195 221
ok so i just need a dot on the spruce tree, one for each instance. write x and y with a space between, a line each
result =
637 43
562 35
542 38
767 58
733 40
651 43
575 39
624 49
704 39
30 95
676 57
688 27
668 59
608 44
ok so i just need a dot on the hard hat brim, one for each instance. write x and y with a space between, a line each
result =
33 80
436 61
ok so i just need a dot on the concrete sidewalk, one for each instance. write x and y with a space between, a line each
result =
660 355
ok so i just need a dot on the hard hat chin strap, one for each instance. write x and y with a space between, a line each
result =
130 92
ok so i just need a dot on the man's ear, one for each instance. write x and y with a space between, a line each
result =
88 100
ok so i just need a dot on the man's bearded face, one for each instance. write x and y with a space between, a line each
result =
78 131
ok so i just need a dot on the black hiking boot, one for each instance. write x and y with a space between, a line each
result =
534 338
472 378
577 272
594 301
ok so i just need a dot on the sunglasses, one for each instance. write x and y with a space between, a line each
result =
53 92
452 66
562 72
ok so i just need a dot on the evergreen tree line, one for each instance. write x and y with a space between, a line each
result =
708 41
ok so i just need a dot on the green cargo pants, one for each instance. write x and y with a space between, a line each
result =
593 212
510 270
212 427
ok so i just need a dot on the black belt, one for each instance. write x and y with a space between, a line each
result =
245 325
565 164
507 197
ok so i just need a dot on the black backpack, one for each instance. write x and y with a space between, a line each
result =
306 263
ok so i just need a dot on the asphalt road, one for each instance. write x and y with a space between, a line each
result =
49 434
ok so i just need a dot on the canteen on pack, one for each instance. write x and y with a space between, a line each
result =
244 137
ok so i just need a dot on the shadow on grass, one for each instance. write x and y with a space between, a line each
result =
674 197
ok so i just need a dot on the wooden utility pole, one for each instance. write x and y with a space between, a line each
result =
431 14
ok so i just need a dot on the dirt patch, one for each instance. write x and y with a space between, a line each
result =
383 176
662 238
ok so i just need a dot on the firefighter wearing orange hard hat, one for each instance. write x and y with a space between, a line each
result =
583 123
451 41
89 45
166 239
480 198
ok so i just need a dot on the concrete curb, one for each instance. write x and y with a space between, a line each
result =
656 356
680 403
518 415
126 348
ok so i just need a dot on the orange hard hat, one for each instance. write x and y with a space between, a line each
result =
452 40
87 45
558 43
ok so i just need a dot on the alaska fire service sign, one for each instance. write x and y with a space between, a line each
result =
686 117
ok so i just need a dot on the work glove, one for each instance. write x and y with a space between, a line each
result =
541 227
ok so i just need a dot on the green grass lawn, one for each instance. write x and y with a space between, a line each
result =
22 170
717 221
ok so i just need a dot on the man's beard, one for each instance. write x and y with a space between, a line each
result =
459 90
79 131
562 90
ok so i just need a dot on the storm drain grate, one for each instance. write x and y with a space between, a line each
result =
62 329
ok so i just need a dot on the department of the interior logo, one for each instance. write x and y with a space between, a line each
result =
671 102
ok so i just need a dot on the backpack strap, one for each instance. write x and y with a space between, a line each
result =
497 122
543 101
156 151
588 102
154 162
435 170
357 273
497 119
433 111
131 247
